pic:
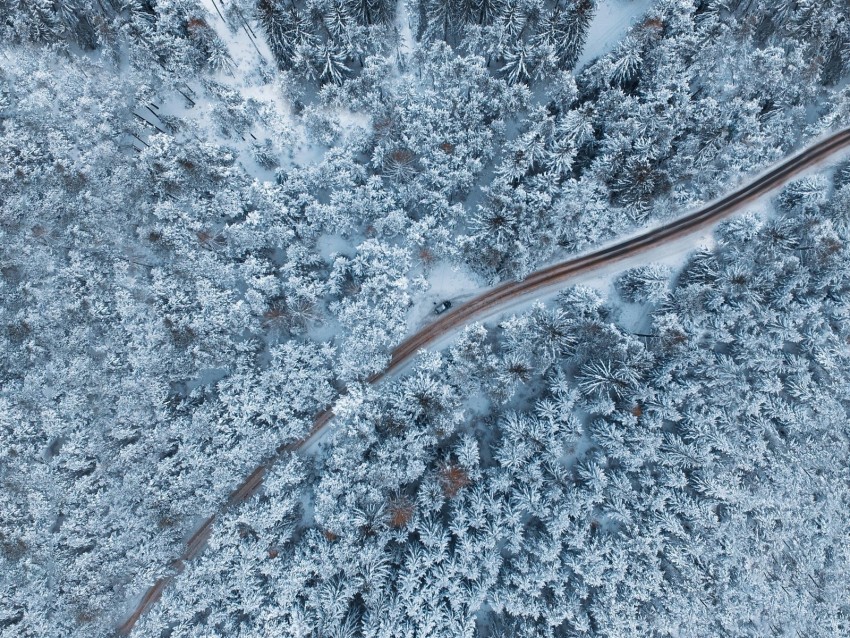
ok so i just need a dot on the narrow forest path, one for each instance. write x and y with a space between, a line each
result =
493 302
405 34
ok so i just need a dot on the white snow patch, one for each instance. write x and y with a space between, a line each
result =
246 46
631 317
635 317
308 511
350 121
671 254
610 23
325 332
329 245
477 404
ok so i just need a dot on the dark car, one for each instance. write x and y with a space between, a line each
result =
442 307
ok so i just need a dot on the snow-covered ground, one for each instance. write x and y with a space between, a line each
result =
446 282
634 317
251 78
258 88
329 245
402 23
610 23
246 46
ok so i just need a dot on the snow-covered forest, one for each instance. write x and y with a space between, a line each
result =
219 217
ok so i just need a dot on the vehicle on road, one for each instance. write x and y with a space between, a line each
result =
442 307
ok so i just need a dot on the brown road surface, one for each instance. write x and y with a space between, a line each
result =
492 301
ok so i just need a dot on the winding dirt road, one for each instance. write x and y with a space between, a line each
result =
492 301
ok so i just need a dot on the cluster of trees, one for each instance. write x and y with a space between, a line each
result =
154 330
82 22
168 320
695 94
489 174
327 40
431 142
323 40
169 37
692 482
524 39
161 308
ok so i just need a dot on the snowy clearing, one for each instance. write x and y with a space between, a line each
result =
611 22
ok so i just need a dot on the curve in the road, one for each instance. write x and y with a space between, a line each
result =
489 302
